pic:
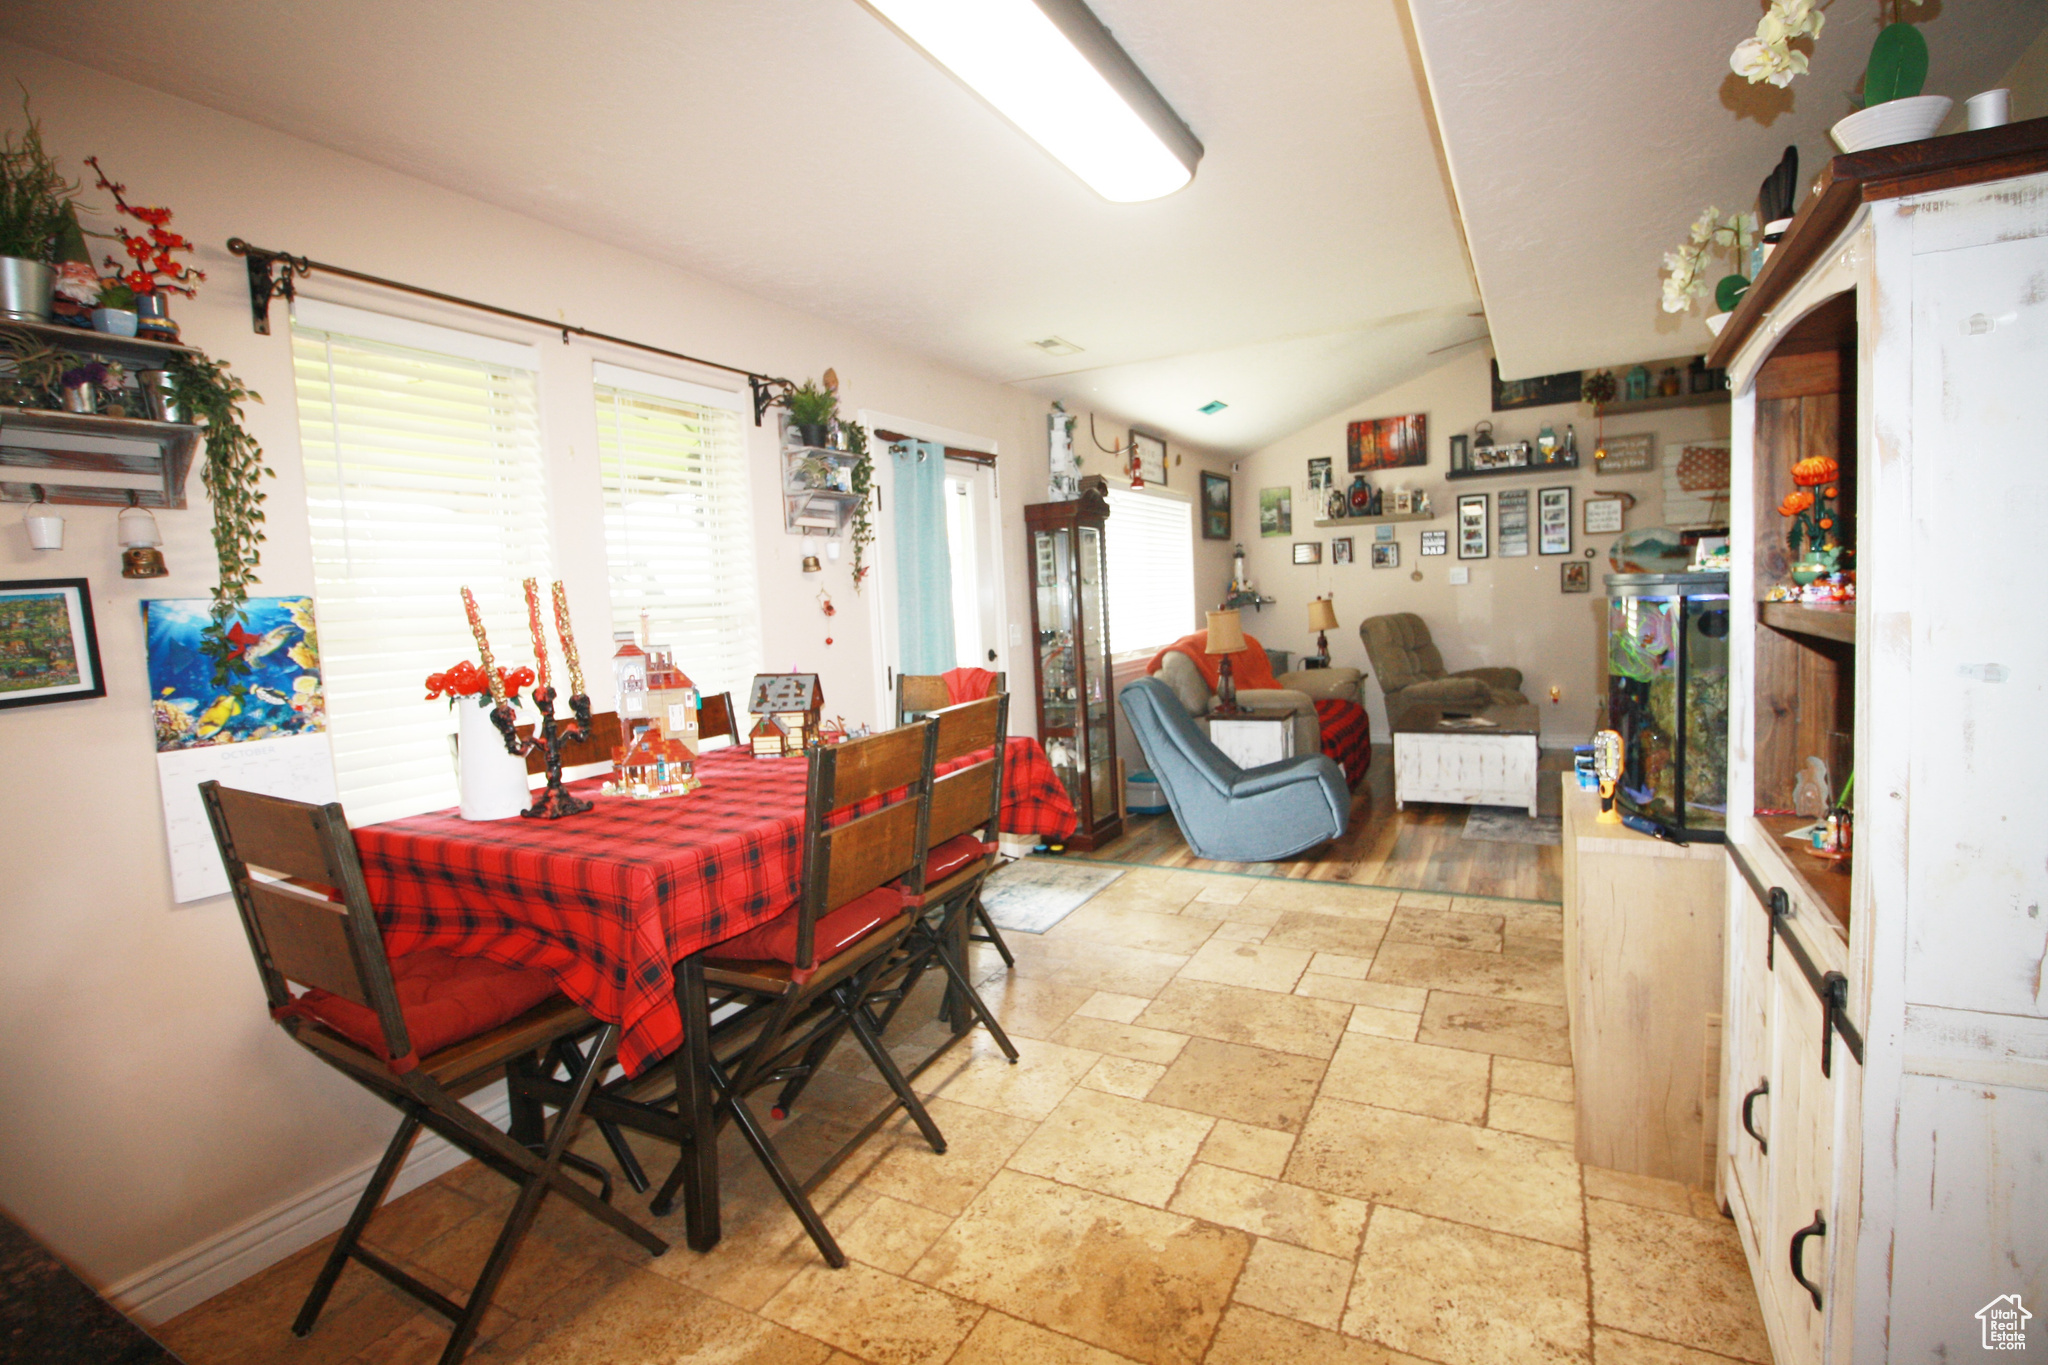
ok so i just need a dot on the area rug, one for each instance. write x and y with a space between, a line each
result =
1031 895
1506 825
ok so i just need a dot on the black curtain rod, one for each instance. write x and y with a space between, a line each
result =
272 274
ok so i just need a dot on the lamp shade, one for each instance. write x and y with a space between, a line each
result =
1226 633
1322 614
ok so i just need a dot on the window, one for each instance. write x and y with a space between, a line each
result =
1151 569
423 474
678 523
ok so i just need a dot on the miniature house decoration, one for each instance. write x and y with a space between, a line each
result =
789 705
672 699
651 764
629 674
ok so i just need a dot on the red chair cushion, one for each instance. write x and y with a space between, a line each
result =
949 857
446 1000
775 941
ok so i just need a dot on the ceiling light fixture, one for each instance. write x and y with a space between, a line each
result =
1053 70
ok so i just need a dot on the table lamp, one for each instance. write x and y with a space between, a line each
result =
1607 768
1226 637
1322 617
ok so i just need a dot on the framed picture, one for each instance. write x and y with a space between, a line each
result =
1554 521
1511 521
1215 506
1387 443
1276 511
1436 542
1603 515
1382 533
1626 454
1541 391
1386 556
1319 475
1696 487
47 638
1308 552
1575 575
1340 550
1474 538
1401 502
1150 454
1461 452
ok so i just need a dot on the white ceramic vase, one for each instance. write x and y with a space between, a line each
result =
493 781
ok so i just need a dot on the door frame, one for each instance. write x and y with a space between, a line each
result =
881 602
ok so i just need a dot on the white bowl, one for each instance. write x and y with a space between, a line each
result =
1890 123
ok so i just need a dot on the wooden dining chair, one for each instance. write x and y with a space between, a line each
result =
946 887
606 734
715 717
413 1030
806 974
919 694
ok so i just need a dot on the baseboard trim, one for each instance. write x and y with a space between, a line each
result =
193 1276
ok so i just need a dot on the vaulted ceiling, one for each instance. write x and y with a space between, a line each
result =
799 150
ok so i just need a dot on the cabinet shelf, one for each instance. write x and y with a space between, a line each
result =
1823 880
1804 618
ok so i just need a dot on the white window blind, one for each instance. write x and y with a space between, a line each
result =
678 524
1151 570
423 474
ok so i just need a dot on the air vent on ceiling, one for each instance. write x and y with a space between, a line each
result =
1214 406
1056 346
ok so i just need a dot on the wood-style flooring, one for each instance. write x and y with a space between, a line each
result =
1421 848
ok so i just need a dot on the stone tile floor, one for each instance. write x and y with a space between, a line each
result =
1255 1120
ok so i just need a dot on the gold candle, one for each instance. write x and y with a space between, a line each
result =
540 640
568 641
483 647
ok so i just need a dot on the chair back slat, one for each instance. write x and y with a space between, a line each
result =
278 836
867 768
715 718
868 852
961 801
917 693
970 726
307 940
606 734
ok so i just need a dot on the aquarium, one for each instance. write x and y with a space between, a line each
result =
1667 696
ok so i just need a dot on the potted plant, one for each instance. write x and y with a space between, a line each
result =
35 203
114 314
1894 110
207 391
155 273
811 410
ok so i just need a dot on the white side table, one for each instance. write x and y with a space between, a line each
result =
1251 739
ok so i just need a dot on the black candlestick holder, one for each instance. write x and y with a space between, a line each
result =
548 737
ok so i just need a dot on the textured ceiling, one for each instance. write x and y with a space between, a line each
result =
1585 138
800 151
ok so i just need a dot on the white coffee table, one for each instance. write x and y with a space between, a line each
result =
1450 758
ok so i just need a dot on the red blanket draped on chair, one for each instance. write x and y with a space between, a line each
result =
1347 737
1249 670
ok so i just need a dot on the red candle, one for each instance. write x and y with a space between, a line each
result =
540 640
568 641
483 647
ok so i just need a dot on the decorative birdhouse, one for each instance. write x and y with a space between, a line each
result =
794 701
768 739
629 673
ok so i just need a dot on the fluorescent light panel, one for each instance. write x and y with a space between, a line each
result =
1052 69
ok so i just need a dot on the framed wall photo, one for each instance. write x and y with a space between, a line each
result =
1511 522
1150 454
1539 391
1319 475
1386 556
1276 511
1382 533
1554 521
1340 550
1215 506
1575 575
1436 542
1602 515
1461 452
1308 552
47 637
1473 526
1626 454
1387 443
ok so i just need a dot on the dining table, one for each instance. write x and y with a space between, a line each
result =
618 903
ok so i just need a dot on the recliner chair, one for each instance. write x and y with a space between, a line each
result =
1228 813
1411 670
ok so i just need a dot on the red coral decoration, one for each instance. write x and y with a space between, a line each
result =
154 270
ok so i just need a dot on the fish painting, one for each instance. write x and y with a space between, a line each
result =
278 693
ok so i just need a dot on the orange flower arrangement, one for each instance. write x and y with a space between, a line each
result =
155 269
1795 503
1815 470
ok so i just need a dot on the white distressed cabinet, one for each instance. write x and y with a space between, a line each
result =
1901 328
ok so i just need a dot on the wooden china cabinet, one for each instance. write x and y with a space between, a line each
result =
1884 1090
1070 635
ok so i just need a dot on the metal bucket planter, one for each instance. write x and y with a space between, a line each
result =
26 288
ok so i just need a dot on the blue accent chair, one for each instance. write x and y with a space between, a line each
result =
1228 813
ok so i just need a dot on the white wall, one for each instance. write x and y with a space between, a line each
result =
1512 612
155 1107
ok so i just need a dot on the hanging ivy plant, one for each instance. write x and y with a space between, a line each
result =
856 438
208 391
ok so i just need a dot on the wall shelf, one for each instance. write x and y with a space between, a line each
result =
1342 522
92 460
816 511
1620 407
1559 466
1802 618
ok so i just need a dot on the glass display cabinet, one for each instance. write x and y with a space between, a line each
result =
1070 628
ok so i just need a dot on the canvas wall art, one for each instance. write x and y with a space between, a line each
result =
1276 511
1696 486
1538 391
1215 506
1388 443
278 695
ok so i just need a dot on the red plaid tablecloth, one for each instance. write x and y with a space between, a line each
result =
609 900
1347 737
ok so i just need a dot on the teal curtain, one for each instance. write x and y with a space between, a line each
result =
924 572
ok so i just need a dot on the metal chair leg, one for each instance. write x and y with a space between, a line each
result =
345 1245
994 935
885 1064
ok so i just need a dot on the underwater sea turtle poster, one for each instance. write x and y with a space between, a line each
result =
278 694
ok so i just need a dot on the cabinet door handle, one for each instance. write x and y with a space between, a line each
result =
1763 1088
1817 1228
